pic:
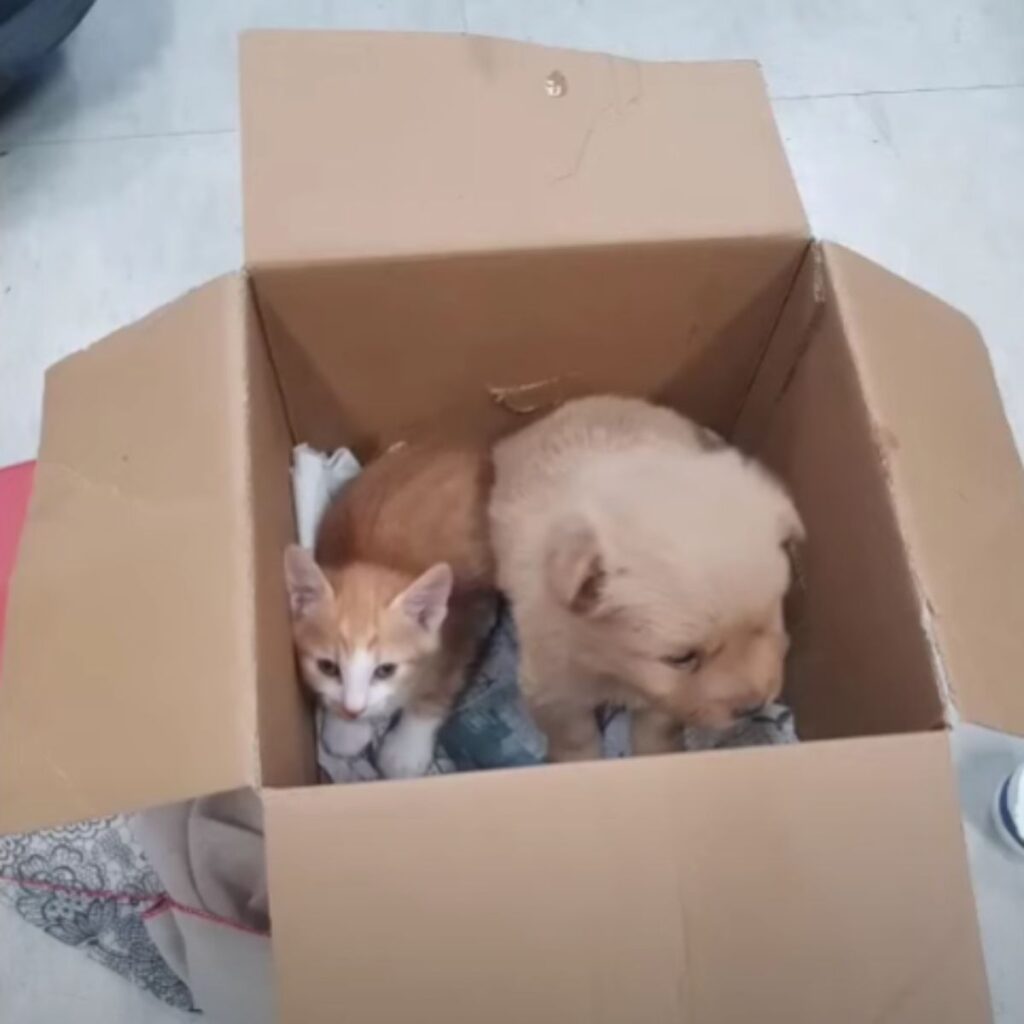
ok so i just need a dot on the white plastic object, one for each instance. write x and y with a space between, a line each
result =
1008 810
316 478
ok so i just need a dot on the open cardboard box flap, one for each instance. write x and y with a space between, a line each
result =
955 478
365 144
704 888
138 627
939 451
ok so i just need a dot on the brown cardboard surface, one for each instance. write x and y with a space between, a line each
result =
941 436
129 668
370 352
368 144
287 745
821 882
860 662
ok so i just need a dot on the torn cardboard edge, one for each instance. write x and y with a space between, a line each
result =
532 397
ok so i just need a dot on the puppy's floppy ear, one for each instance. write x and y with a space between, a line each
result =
709 440
425 600
794 546
575 566
793 535
792 543
308 589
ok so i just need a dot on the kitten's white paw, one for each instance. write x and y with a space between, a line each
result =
346 739
408 750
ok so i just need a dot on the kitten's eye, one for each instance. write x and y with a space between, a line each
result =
385 670
328 668
685 659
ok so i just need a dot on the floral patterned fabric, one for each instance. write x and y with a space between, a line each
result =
88 885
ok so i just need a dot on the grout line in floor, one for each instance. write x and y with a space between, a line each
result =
981 87
8 146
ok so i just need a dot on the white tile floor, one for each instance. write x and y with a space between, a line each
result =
904 121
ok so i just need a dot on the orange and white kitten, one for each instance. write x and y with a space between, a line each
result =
391 613
646 565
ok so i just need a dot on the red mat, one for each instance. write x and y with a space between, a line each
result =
15 488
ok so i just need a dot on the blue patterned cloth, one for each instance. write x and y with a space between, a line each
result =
490 727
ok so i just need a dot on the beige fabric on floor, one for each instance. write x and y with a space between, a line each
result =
210 855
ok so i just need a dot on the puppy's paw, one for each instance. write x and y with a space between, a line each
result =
408 750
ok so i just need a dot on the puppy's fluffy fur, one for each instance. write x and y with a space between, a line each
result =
646 565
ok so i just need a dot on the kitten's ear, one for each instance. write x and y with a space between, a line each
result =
308 588
575 566
425 600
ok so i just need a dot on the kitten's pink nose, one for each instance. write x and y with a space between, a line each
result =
348 713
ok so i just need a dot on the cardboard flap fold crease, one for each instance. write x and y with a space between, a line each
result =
129 668
954 474
447 228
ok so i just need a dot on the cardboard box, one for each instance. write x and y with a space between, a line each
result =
449 226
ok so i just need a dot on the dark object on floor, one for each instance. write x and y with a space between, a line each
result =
30 29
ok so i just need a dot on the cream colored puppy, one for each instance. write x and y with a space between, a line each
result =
646 564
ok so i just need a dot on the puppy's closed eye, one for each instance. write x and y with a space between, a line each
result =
752 711
689 659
